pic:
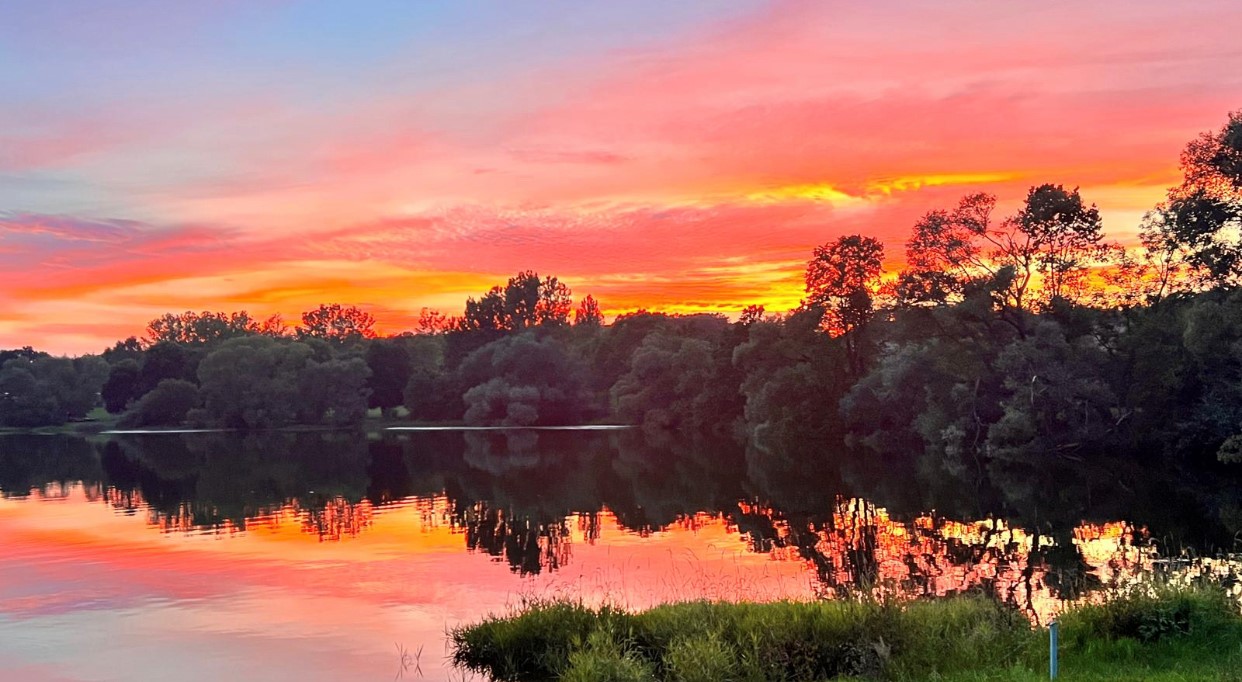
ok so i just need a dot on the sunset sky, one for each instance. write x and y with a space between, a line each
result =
272 155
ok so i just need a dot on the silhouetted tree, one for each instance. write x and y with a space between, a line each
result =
588 313
1063 238
1203 215
842 280
335 322
129 349
525 301
431 322
196 328
750 315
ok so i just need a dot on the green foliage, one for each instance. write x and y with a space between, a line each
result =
122 385
536 643
333 392
603 659
167 405
777 641
26 400
253 382
39 390
666 374
522 380
1150 613
956 638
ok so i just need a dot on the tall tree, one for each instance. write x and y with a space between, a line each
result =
1204 213
1064 237
842 279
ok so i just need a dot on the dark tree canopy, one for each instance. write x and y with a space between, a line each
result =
389 365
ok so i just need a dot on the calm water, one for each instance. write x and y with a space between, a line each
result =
309 556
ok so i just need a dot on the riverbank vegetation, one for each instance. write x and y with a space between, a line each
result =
1150 633
1021 339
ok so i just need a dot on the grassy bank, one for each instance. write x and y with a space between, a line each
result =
1161 634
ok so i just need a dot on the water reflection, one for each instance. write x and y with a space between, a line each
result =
524 498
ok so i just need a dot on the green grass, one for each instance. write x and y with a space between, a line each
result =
1158 633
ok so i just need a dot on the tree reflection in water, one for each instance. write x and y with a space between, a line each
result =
525 497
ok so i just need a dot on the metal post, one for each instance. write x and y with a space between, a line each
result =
1053 635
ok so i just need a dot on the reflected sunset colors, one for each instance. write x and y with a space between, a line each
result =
234 555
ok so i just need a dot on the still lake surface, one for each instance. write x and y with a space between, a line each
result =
326 556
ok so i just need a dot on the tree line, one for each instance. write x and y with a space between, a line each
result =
1022 338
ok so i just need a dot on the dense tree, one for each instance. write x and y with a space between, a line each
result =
165 360
333 392
25 353
389 369
667 374
205 327
129 349
253 382
525 301
790 381
122 386
522 380
46 391
25 400
335 322
166 405
487 313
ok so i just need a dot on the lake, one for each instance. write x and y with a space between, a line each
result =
330 556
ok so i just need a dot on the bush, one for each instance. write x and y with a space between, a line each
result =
1150 613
